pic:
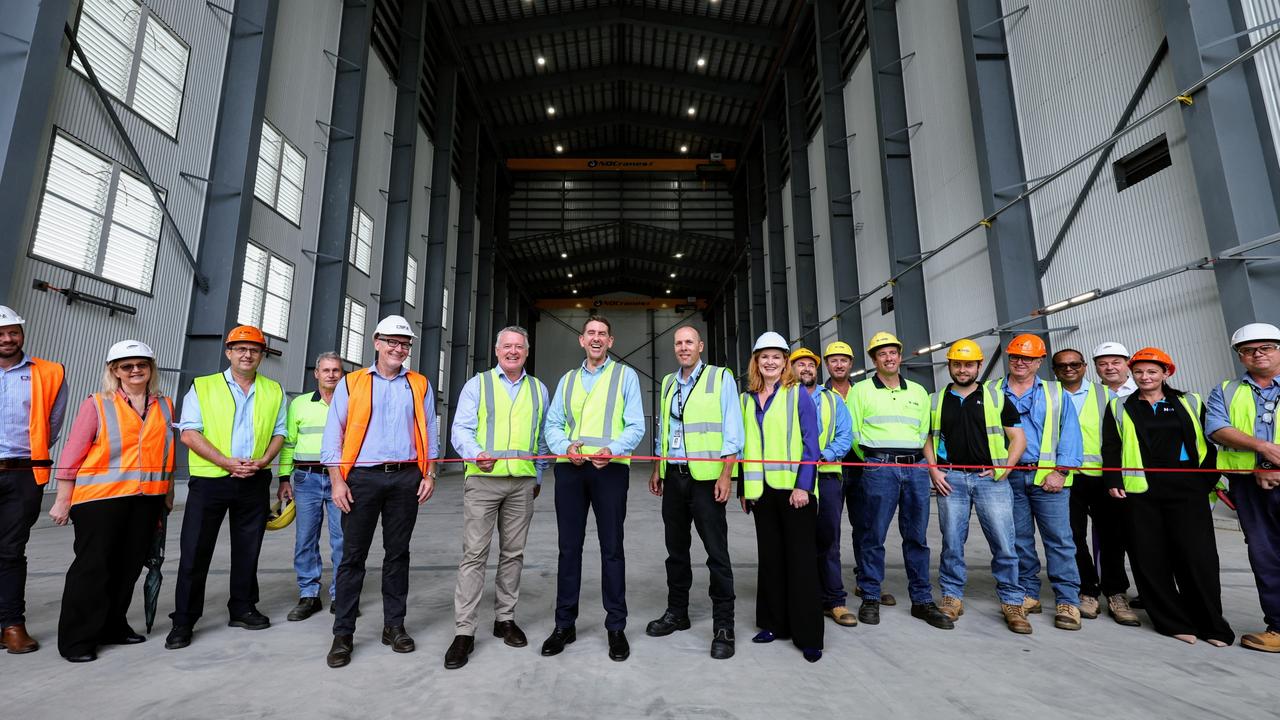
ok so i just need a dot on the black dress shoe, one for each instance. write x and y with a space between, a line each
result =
619 648
869 612
554 644
667 624
87 657
510 633
340 651
456 656
306 607
126 637
179 637
722 644
252 620
398 639
930 613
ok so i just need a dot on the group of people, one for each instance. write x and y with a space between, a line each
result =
1138 458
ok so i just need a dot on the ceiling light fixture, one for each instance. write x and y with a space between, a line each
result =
692 111
575 292
564 255
551 109
541 61
570 274
668 291
684 148
559 148
679 255
702 62
673 275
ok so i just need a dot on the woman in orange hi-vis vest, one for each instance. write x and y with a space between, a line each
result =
115 480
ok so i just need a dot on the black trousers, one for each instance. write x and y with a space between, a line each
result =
113 538
686 500
393 497
787 600
1089 499
580 488
1175 563
209 500
19 508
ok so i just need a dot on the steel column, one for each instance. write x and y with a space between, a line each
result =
742 323
713 337
460 348
341 161
482 352
233 169
772 151
500 283
1233 154
806 277
893 140
755 234
438 223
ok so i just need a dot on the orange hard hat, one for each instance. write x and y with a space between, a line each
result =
1027 345
246 333
1154 355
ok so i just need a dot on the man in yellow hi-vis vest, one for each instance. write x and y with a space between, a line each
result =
233 424
595 415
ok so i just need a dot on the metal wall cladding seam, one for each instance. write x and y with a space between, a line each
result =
299 93
78 335
1267 62
418 220
945 172
441 381
1075 65
767 280
822 242
789 241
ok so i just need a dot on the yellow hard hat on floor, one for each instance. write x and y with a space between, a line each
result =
281 518
803 352
964 350
839 347
881 339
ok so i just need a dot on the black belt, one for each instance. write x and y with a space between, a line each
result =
900 459
311 468
388 467
681 468
23 463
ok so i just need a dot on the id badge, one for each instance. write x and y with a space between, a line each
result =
677 440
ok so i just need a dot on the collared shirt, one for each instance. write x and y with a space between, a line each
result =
1217 415
632 411
1079 396
1128 388
842 441
390 436
1031 408
15 411
241 424
466 418
809 431
731 434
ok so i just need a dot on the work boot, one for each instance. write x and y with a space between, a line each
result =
930 613
1067 617
1268 641
305 608
16 640
722 644
1032 605
1118 606
1015 616
952 607
667 624
1088 607
252 620
869 612
841 615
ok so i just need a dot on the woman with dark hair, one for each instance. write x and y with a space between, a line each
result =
1167 514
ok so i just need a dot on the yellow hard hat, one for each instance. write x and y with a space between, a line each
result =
965 350
803 353
280 518
839 347
881 339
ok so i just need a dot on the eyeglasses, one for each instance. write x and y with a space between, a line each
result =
130 367
250 351
1018 359
1258 350
397 344
1068 366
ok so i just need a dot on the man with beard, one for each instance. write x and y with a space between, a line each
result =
834 440
32 407
971 428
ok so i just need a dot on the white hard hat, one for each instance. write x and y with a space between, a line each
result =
1110 348
1249 333
9 317
394 325
130 349
771 341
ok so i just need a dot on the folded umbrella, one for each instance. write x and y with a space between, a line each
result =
151 586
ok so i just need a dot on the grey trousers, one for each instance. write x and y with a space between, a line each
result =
488 501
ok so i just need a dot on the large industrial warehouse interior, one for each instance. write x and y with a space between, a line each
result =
1084 171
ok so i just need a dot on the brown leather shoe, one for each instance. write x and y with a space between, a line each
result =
16 640
1088 607
398 639
1118 606
1032 605
841 615
953 608
1268 641
1067 617
1015 616
510 633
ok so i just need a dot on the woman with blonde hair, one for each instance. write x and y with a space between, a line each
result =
778 486
115 481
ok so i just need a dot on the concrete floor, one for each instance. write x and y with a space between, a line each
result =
901 668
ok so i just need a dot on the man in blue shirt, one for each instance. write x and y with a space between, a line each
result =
595 415
695 399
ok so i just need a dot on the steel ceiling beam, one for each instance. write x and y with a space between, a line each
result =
502 92
553 23
595 120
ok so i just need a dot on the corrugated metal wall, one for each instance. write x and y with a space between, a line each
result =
821 241
789 239
1267 62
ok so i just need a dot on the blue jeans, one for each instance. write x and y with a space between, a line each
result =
313 500
1033 509
994 502
906 491
830 505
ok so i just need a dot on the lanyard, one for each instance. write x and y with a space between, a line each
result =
677 407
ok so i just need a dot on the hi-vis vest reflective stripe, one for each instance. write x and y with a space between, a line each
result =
827 423
778 439
1242 410
1052 431
703 421
1091 415
991 410
304 432
129 456
218 411
890 419
360 409
46 383
507 428
1135 480
594 418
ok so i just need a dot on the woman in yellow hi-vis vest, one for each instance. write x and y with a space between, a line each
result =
781 425
1168 517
